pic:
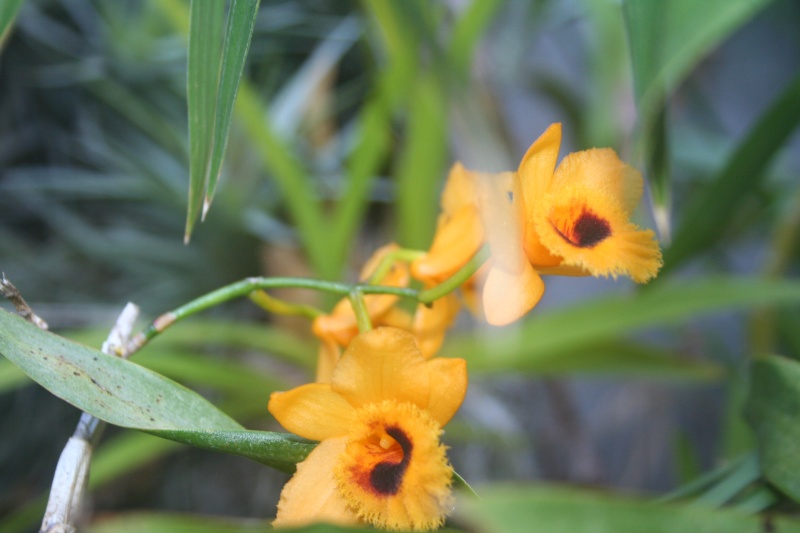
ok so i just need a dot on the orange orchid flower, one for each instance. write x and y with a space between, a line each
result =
578 215
570 220
379 420
427 323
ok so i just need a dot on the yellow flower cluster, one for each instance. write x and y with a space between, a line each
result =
381 398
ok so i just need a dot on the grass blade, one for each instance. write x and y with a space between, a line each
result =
8 13
709 214
241 20
205 53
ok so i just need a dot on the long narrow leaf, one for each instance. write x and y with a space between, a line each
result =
205 52
710 212
422 162
563 510
241 20
278 450
604 319
772 409
667 39
8 13
108 387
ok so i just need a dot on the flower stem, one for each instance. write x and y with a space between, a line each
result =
244 288
360 309
280 307
385 264
453 282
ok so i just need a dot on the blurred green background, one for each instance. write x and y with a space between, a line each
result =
349 115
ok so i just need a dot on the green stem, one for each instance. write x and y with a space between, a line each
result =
455 281
244 288
280 307
385 264
360 309
354 292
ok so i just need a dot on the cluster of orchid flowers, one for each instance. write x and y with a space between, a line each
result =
381 397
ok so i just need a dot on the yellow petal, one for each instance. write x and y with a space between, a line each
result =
328 356
311 495
503 217
312 411
459 190
450 389
458 237
382 364
509 295
431 323
538 164
601 172
589 229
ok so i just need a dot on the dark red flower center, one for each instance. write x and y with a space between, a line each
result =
588 230
387 476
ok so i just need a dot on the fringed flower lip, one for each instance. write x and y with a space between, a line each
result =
380 460
578 215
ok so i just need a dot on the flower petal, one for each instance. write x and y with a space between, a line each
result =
311 495
589 229
328 356
451 387
509 295
459 189
394 471
312 411
538 164
382 364
600 171
458 237
503 216
431 323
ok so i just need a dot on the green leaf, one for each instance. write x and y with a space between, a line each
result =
194 333
140 522
667 39
8 13
468 30
108 387
278 450
546 338
421 168
772 409
556 510
11 377
205 54
709 213
241 20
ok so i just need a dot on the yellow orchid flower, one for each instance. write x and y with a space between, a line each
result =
571 220
379 420
578 215
428 324
479 208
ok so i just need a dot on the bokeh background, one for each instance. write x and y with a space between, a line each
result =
367 104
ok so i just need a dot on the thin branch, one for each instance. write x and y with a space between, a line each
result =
9 291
